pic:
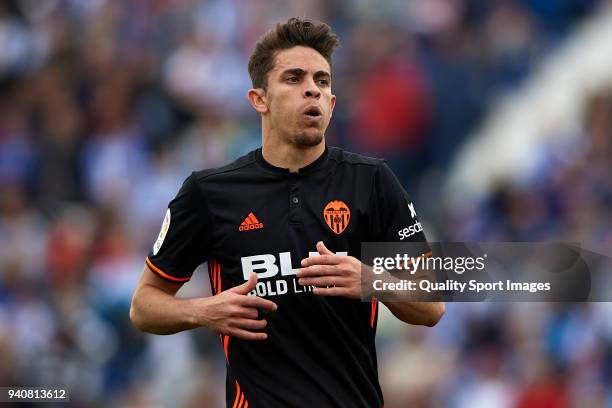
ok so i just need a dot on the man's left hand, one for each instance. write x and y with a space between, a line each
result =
331 274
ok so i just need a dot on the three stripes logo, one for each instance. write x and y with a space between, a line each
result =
337 216
250 223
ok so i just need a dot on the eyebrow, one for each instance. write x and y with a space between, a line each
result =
300 72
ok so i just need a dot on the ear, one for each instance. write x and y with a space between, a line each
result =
331 105
257 99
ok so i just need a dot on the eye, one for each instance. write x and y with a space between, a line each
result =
292 79
323 82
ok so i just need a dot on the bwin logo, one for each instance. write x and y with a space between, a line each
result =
265 265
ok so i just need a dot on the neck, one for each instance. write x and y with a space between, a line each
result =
288 156
279 152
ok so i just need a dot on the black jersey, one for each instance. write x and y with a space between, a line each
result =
251 216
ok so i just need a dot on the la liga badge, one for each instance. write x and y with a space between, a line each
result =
162 233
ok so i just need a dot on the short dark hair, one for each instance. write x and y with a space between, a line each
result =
288 34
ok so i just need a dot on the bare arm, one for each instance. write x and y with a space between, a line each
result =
421 313
427 312
156 309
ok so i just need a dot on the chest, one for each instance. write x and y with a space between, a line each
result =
282 220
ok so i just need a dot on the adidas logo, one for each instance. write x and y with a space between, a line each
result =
250 223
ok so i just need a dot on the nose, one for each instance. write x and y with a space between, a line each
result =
311 90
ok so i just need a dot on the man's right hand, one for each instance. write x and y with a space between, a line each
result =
234 313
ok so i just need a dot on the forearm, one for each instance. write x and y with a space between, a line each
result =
421 309
155 311
419 313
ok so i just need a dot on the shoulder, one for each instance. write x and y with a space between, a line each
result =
241 164
343 157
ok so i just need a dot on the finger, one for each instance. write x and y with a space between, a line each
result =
322 281
318 270
331 259
334 291
250 324
247 286
248 312
259 303
323 249
247 335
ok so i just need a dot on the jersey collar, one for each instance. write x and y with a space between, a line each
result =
315 165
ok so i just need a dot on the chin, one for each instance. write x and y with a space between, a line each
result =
308 138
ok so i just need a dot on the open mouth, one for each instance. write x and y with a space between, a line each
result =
313 112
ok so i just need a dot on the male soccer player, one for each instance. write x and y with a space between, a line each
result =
281 230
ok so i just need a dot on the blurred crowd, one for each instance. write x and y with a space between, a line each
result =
528 355
107 105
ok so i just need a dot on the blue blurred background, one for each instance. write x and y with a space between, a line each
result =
496 116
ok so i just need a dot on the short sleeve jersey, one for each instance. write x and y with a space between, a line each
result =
252 216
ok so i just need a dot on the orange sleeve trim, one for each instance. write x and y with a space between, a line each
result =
163 274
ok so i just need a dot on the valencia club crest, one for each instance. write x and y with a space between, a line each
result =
337 216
